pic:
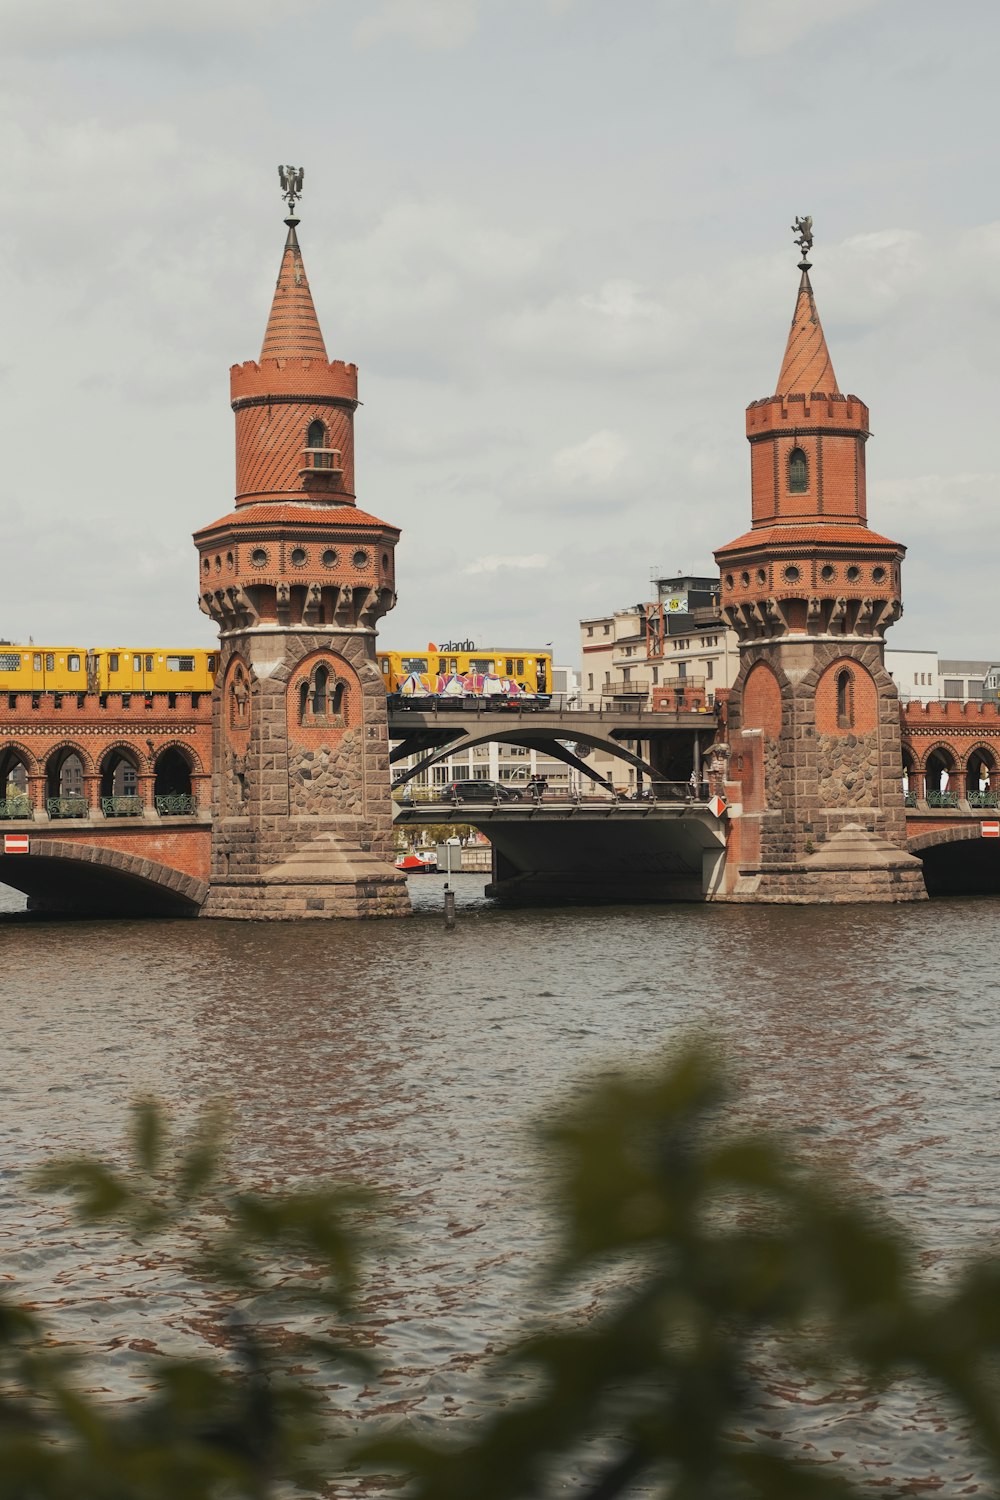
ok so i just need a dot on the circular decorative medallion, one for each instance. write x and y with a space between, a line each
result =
298 557
259 557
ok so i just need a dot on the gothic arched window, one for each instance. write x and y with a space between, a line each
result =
320 684
316 436
798 472
303 701
845 700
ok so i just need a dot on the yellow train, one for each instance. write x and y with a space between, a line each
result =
105 669
455 676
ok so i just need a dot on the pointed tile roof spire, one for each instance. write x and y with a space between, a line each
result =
293 330
807 366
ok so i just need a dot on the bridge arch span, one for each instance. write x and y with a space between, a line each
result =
62 875
545 741
957 860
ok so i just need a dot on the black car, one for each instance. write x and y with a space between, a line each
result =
478 791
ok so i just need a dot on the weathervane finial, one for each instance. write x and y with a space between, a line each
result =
803 232
291 185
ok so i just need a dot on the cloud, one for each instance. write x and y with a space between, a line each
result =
591 464
494 564
60 26
430 24
770 26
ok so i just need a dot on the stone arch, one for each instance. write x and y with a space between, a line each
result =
867 656
90 878
761 700
957 860
846 698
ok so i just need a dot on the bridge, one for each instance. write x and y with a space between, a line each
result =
274 799
115 801
674 741
585 849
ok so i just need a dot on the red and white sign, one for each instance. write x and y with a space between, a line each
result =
15 843
990 830
716 806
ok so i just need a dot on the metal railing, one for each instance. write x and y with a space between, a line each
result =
127 806
15 807
942 799
66 807
984 799
176 804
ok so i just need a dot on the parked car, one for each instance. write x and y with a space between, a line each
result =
479 791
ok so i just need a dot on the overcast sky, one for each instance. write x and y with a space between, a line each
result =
554 236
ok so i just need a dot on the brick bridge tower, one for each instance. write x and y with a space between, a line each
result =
297 577
813 720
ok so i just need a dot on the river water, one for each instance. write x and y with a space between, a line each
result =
403 1056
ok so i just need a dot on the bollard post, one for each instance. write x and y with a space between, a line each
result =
449 894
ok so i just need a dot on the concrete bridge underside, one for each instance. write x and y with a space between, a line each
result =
570 854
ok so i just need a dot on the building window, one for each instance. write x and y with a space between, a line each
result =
316 436
590 629
590 682
656 676
798 472
709 670
607 630
845 700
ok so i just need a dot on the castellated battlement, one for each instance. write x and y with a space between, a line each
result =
815 410
310 378
948 711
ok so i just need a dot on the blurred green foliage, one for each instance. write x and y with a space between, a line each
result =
712 1238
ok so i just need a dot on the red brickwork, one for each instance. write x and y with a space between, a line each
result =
762 701
958 737
857 695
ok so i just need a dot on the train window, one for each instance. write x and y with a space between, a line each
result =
481 664
442 663
211 662
112 661
10 661
180 663
454 666
520 666
510 666
73 663
136 662
36 661
384 663
413 664
50 661
149 663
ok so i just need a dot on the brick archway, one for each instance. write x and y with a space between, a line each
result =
918 843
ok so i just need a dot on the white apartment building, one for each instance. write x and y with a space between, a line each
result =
679 638
915 674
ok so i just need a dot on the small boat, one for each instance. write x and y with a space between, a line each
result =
416 864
